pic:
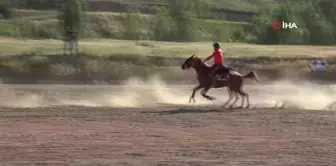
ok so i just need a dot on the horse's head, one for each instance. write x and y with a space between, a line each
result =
190 62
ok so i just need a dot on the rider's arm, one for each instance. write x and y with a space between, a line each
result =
209 57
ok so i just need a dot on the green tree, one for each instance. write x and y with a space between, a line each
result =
163 26
132 24
262 29
35 4
5 9
71 18
185 19
314 24
180 20
319 28
201 9
328 8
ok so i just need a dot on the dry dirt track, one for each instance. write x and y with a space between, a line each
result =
160 135
75 135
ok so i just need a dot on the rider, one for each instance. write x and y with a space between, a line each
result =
217 54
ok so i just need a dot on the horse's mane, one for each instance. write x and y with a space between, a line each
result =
200 61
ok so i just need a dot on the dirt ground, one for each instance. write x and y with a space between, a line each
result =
166 135
150 123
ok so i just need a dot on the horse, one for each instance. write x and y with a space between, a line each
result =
234 82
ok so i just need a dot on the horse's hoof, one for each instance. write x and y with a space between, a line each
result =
247 106
231 106
223 106
191 100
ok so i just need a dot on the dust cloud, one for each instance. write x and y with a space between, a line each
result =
145 93
137 93
299 94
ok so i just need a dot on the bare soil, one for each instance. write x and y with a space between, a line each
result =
166 135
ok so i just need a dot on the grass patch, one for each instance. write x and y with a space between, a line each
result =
9 29
14 46
32 13
29 61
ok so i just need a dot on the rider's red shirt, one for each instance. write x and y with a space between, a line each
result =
218 56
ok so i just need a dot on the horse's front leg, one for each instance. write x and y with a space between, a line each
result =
192 97
204 94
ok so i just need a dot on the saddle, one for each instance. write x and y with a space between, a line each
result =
223 71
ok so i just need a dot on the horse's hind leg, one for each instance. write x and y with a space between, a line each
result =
204 94
230 97
237 97
245 95
242 102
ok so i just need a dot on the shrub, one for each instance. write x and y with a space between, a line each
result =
5 10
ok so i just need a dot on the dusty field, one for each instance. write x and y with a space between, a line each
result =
158 134
166 136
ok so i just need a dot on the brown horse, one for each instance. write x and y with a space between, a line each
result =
234 82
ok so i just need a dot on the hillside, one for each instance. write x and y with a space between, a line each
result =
240 8
236 5
184 20
230 5
230 10
43 24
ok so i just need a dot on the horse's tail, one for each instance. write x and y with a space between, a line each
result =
252 75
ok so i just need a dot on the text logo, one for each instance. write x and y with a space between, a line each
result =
278 25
